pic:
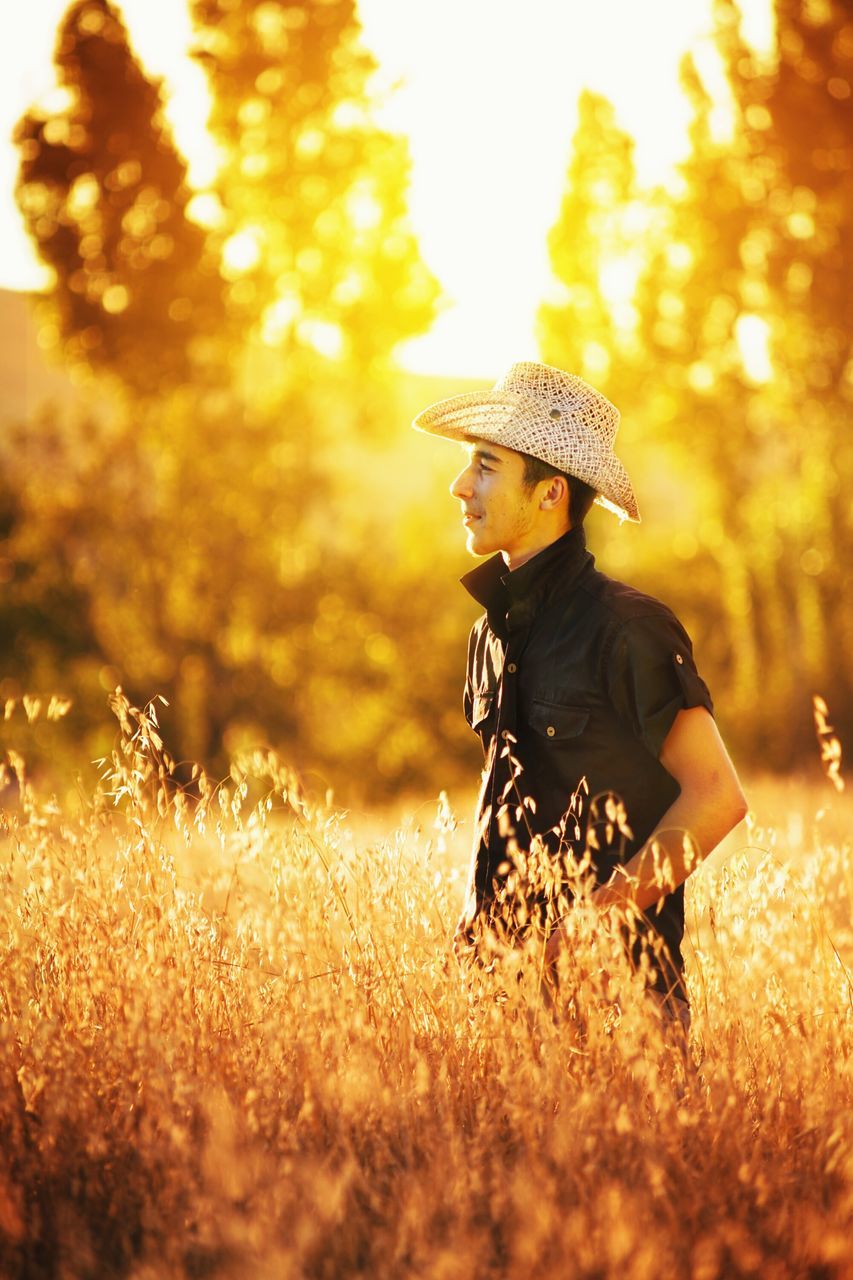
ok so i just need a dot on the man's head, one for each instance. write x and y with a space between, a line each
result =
557 420
514 503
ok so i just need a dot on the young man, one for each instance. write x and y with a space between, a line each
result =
588 685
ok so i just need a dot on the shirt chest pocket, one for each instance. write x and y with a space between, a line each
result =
556 722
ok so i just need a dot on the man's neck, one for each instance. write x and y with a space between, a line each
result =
518 556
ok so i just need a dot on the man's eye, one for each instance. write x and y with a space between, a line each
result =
488 470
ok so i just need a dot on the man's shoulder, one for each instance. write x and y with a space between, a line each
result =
618 602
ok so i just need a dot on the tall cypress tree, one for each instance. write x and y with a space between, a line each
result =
103 192
747 319
578 328
741 363
797 115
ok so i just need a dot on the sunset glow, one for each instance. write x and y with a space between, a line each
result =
280 996
489 109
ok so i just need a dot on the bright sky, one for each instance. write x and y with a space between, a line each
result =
487 94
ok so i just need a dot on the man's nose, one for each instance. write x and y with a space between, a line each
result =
461 486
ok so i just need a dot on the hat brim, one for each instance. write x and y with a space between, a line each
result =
489 416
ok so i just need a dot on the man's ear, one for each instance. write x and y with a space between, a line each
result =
555 494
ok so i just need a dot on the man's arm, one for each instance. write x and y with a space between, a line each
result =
711 803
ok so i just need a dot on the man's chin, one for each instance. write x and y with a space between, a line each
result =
478 544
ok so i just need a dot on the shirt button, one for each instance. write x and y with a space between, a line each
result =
679 659
511 668
550 731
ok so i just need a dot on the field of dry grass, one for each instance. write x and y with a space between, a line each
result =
234 1043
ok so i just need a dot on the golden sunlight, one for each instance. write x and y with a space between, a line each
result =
490 111
268 1006
753 339
488 105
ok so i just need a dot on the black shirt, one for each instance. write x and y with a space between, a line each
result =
573 683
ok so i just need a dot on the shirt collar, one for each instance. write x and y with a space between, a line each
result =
520 591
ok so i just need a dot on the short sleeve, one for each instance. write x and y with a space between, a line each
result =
651 676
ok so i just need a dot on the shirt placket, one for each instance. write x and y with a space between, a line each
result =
506 729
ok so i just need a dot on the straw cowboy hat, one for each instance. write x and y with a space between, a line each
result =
551 415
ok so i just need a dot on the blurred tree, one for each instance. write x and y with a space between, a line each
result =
48 645
314 229
692 298
797 115
320 628
587 324
200 528
746 313
103 191
741 361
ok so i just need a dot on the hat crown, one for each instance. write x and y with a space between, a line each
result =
561 395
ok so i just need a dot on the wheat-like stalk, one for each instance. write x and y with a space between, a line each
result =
235 1041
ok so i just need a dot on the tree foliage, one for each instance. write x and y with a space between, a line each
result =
103 191
739 366
314 229
594 238
198 527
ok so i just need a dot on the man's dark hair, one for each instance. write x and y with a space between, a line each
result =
581 494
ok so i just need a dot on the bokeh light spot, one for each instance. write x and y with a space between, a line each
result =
753 340
205 210
241 252
115 299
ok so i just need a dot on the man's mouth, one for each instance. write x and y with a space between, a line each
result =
469 517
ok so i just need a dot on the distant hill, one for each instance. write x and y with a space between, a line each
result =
27 378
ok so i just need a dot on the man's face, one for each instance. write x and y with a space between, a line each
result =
499 511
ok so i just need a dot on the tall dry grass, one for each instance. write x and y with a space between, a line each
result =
235 1043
